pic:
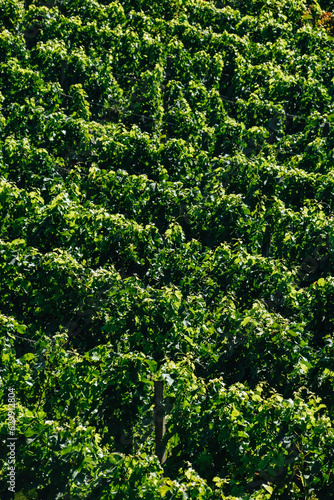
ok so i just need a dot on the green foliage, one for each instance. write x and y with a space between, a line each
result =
166 212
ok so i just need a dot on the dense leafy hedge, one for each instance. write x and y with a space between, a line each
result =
166 211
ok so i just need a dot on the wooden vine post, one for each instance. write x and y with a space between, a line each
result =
159 421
